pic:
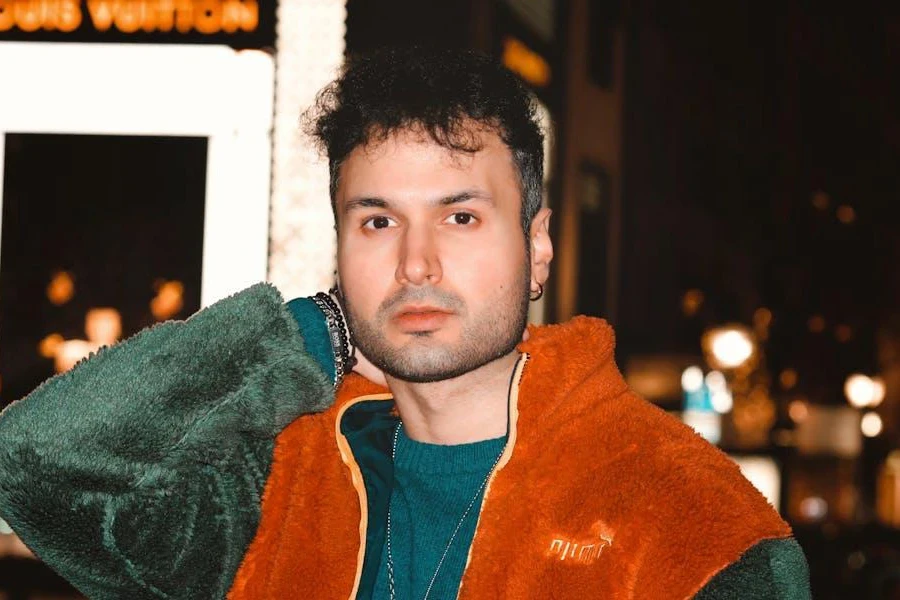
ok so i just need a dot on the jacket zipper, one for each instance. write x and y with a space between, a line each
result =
358 484
513 408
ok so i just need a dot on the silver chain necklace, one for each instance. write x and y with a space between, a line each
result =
390 556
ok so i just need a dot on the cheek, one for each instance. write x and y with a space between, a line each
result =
364 278
490 272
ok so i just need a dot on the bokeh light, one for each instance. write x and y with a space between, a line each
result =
692 379
730 346
61 288
871 424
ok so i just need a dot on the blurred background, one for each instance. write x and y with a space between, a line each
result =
724 179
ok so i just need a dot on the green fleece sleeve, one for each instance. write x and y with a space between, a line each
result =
138 474
770 570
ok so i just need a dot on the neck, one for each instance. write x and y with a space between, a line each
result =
470 408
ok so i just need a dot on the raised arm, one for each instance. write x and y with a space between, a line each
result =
138 473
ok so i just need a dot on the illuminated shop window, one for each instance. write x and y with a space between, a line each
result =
92 239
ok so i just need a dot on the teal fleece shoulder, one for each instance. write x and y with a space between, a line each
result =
770 570
315 332
138 474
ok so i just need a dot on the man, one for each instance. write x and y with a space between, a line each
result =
209 458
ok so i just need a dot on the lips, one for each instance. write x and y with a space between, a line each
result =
421 318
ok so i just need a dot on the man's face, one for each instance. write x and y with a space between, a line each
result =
431 255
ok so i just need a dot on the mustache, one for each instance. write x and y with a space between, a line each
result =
422 295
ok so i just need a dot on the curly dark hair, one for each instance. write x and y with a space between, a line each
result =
440 91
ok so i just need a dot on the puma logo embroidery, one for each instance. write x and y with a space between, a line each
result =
583 551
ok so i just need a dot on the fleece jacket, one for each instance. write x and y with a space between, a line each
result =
210 458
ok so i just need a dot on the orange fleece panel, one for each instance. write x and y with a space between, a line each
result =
607 465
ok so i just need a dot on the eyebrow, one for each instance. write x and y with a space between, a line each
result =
465 196
357 203
376 202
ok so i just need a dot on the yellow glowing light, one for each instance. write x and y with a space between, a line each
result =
893 461
103 326
821 200
816 323
871 424
50 345
755 413
843 333
878 391
888 490
61 288
731 346
525 62
169 300
762 318
71 351
861 391
788 378
846 214
691 302
798 411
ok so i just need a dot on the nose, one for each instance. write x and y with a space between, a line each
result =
418 263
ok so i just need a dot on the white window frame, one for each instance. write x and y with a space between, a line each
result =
214 92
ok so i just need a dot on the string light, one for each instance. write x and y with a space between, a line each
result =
310 51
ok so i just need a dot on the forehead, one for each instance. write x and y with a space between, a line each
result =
409 164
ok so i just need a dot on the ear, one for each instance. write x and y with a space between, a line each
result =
541 248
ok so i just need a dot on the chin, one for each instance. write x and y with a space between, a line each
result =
430 337
428 374
424 364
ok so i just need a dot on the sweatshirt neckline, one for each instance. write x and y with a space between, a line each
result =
422 457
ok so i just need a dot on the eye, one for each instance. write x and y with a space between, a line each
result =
461 218
379 222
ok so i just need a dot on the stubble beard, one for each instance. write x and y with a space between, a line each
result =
484 337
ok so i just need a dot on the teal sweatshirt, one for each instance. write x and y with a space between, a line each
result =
433 487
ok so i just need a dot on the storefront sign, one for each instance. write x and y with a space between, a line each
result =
242 23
